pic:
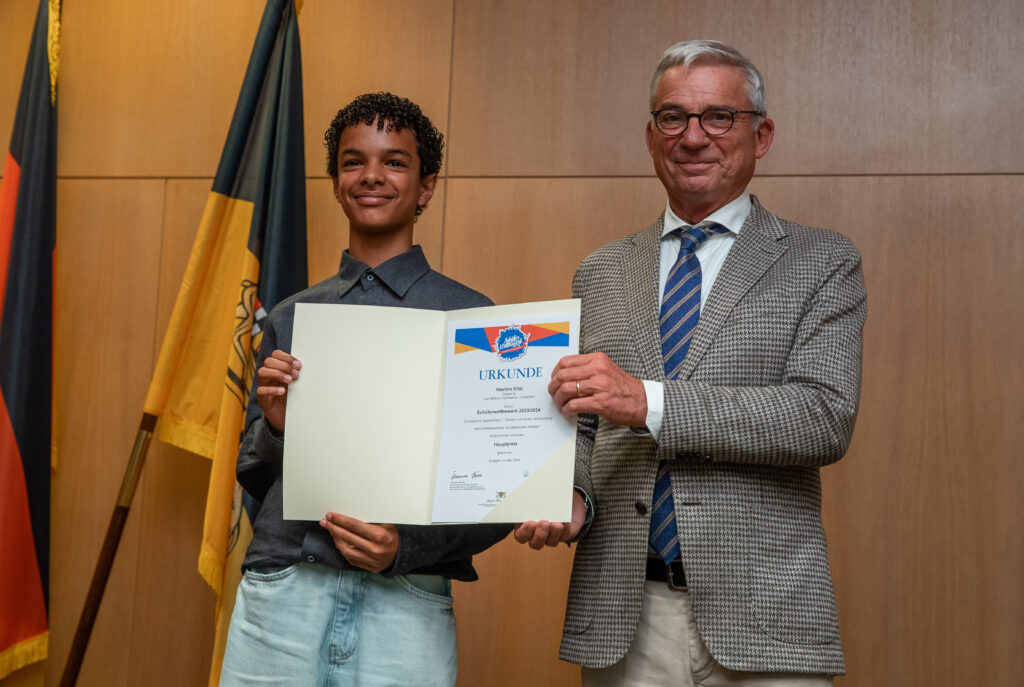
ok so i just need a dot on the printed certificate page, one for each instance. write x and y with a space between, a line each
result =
506 454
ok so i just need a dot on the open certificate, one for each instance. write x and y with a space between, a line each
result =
421 416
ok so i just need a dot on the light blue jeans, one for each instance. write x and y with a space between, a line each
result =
309 624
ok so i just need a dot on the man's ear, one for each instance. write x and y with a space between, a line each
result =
765 135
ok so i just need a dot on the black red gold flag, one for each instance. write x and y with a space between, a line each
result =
28 227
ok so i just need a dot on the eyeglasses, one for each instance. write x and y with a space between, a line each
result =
715 121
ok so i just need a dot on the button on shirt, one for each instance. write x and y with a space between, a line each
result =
404 281
711 254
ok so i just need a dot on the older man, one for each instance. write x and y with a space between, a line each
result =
720 370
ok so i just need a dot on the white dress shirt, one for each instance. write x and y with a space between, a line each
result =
711 254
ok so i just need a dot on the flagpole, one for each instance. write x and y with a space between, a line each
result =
101 574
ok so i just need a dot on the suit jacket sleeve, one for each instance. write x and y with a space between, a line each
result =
586 432
801 413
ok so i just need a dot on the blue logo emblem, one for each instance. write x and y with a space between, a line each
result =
511 343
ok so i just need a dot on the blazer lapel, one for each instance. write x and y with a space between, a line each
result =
756 249
640 275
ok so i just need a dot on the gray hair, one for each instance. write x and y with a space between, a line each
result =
687 53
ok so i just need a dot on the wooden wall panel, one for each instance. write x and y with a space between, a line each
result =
157 112
510 620
183 211
148 88
924 515
857 88
169 592
362 46
16 22
326 229
520 240
173 607
108 251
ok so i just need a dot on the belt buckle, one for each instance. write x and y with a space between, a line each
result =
671 570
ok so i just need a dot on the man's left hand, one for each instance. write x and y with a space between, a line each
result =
366 546
592 383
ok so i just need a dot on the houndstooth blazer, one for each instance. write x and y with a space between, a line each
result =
768 394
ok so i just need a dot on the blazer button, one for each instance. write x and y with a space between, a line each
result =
641 508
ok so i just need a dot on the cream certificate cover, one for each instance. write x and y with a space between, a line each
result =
420 416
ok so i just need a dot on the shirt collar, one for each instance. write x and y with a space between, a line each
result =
732 215
398 274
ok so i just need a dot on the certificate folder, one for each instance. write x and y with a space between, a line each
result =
423 417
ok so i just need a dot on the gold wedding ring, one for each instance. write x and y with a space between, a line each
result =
579 393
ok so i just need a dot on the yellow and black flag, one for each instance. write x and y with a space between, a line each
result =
249 253
28 231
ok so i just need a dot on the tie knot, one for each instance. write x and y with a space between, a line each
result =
693 236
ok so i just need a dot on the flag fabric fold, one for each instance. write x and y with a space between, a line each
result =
28 228
249 253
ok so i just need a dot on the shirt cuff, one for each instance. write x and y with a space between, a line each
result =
587 519
655 406
267 438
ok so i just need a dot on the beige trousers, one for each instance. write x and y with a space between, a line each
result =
668 652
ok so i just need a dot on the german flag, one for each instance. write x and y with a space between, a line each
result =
249 253
28 229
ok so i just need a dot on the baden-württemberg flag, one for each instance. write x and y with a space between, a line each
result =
28 227
249 253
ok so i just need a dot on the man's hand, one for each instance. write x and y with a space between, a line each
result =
592 383
544 533
279 370
366 546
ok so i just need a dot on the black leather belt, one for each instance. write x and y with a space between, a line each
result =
671 574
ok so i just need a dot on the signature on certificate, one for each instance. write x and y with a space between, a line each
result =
475 475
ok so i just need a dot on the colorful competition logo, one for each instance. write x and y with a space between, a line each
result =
512 341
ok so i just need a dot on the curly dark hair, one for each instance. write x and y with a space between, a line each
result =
395 113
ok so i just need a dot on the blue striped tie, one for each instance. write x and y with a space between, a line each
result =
680 312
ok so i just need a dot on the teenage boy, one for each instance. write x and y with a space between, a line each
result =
345 602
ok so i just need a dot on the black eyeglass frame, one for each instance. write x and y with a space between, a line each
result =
700 119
